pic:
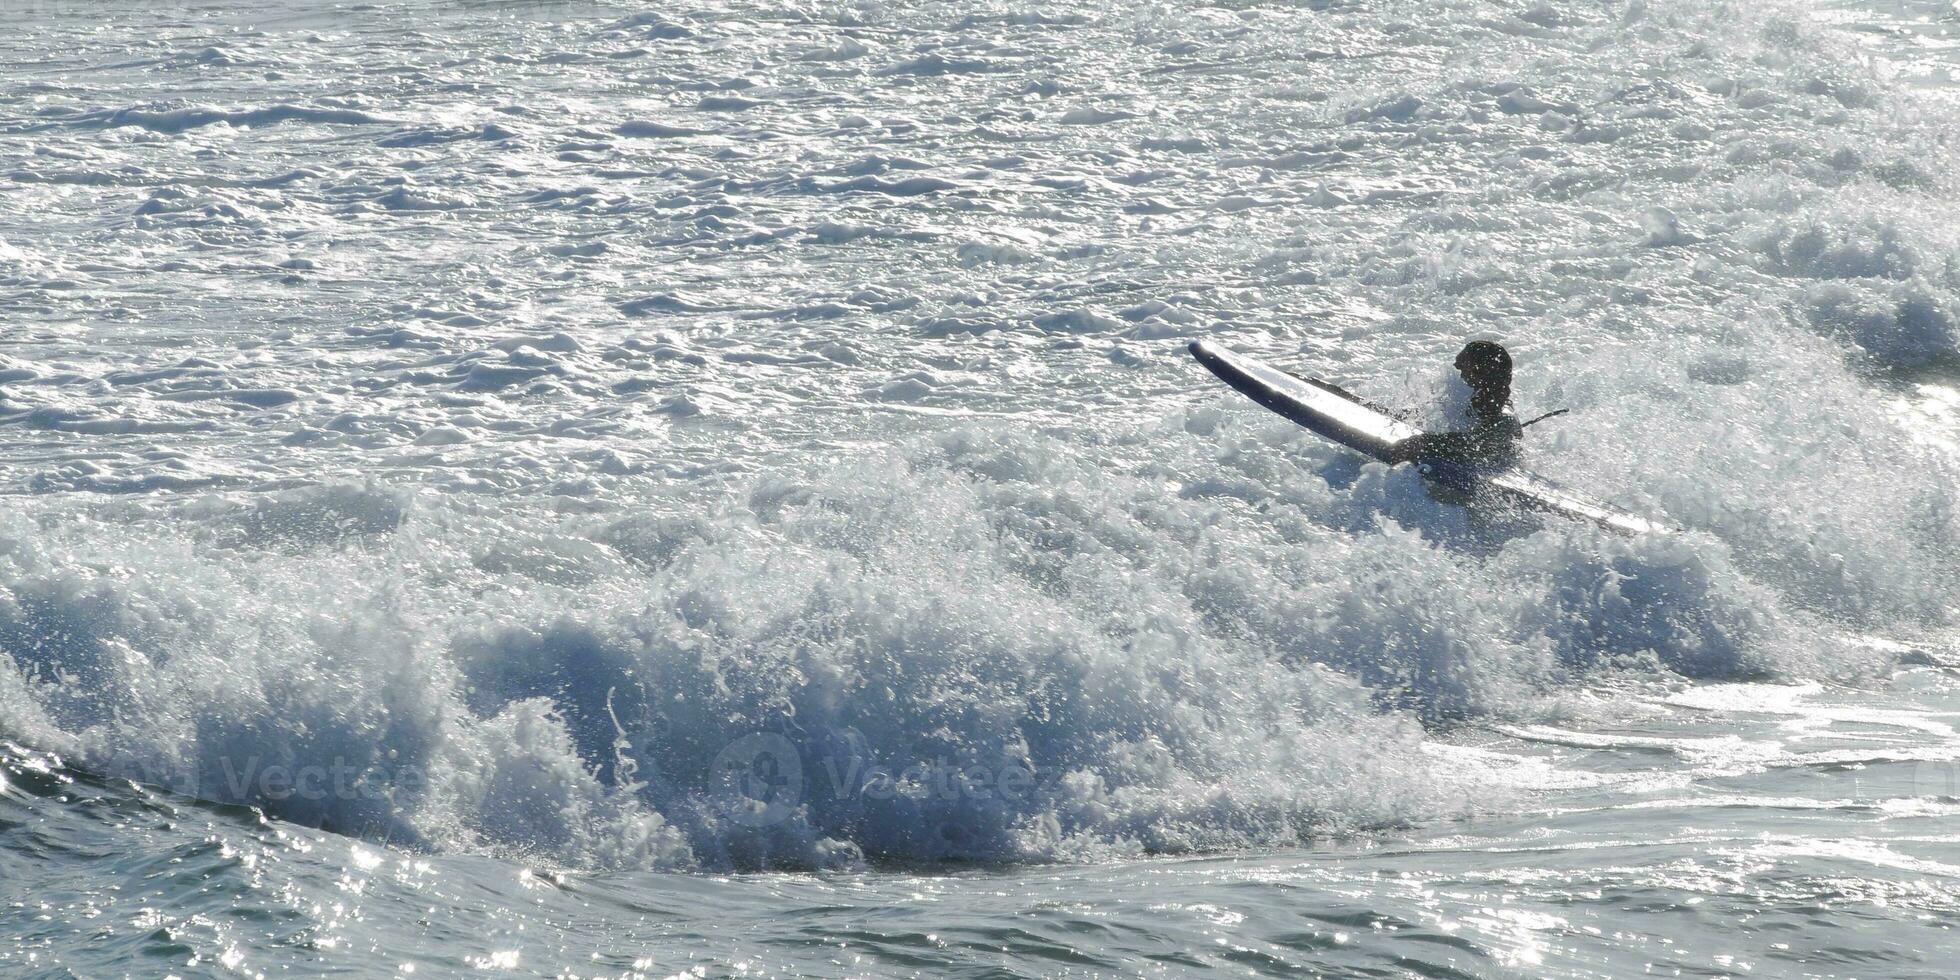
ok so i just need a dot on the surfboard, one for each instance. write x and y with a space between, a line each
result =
1329 411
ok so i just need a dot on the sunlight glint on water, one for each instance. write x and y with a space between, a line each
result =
457 453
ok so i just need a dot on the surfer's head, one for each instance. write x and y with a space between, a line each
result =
1486 368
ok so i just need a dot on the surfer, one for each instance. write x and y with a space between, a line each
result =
1491 441
1460 467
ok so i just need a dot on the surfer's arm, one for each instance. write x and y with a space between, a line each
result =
1454 447
1407 451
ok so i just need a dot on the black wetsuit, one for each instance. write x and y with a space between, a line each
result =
1451 460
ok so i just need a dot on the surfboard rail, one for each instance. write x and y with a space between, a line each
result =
1321 407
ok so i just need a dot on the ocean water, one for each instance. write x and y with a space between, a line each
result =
585 489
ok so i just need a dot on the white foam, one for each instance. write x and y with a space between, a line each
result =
473 426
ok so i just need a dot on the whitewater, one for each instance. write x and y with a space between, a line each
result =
718 489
